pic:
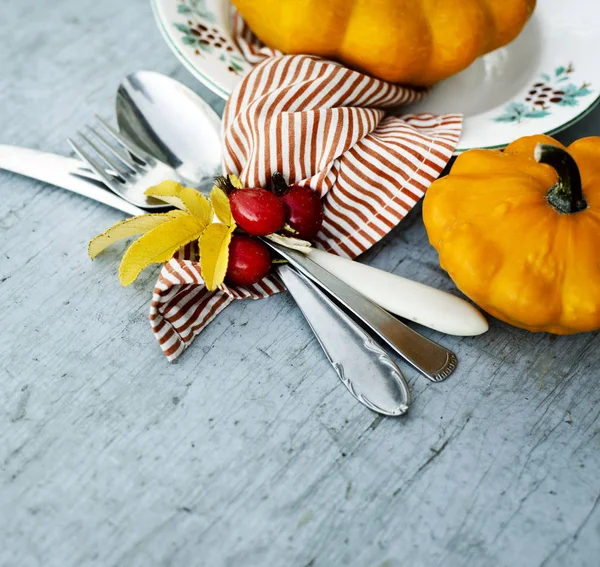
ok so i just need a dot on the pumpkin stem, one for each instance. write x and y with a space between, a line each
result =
566 196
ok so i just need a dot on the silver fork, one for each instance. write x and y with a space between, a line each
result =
124 167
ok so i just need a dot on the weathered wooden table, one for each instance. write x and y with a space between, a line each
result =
248 451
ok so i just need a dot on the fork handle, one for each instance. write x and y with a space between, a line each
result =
431 359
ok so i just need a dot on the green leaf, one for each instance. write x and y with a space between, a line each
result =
236 66
183 28
183 9
570 89
537 113
208 16
515 108
568 100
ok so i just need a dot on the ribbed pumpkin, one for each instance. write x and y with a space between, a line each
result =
413 42
519 232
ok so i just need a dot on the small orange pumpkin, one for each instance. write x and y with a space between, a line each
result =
519 232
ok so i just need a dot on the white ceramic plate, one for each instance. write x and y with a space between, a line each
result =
545 80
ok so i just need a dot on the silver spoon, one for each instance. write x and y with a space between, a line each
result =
172 123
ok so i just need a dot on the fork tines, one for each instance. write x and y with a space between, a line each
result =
122 156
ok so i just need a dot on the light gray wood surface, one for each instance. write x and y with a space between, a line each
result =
248 451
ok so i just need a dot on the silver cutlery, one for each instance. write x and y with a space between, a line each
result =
128 168
350 349
131 180
187 136
133 169
431 359
361 364
175 125
409 299
383 389
67 173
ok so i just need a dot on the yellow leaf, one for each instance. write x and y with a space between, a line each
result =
128 228
167 191
214 254
158 246
235 181
197 204
221 206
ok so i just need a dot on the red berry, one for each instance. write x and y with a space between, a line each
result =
303 211
257 211
249 260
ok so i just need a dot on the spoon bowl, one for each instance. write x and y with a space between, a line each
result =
187 137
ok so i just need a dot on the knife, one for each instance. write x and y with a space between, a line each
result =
64 172
366 370
412 300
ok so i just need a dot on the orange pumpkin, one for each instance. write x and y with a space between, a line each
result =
414 42
519 232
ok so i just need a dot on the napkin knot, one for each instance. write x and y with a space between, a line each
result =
324 126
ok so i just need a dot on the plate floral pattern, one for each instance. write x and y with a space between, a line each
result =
200 33
552 89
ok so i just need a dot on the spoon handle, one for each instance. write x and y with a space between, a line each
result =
428 357
368 372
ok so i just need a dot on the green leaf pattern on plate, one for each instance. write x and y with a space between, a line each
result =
202 34
550 91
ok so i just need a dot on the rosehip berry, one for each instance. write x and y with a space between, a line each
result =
249 260
257 211
303 211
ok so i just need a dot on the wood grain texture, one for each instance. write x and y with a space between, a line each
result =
248 451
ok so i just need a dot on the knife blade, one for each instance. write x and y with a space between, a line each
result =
63 172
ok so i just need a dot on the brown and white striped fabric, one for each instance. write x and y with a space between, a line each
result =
324 126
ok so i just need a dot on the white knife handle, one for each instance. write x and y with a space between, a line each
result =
412 300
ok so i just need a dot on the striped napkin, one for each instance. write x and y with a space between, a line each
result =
324 126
